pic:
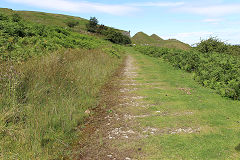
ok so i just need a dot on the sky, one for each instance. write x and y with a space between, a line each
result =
185 20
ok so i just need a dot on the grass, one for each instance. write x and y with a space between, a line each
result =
216 118
154 40
48 18
52 19
49 77
43 101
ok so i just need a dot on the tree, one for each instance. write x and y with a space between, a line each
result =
92 26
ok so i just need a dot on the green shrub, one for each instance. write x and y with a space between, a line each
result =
110 34
72 23
92 25
117 37
213 44
20 40
217 71
16 17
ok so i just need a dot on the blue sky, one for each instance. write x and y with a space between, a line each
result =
186 20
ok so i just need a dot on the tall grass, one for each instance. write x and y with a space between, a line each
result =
43 101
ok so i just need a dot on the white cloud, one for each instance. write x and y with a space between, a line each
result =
90 7
158 4
213 10
78 7
215 21
212 20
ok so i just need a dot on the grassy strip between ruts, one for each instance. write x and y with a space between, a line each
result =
45 99
193 122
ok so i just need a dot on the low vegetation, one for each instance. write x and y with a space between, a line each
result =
217 70
49 77
52 72
110 34
213 44
188 121
21 40
49 19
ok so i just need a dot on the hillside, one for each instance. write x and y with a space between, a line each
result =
50 75
154 40
156 37
83 92
52 19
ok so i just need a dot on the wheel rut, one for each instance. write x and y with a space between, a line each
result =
115 131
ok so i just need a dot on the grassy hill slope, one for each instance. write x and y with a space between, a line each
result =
51 19
48 18
154 40
156 37
49 76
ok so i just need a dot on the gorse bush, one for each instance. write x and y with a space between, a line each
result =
20 40
214 70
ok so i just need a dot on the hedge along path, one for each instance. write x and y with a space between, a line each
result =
154 111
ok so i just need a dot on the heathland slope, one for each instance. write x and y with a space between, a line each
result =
55 80
50 78
52 19
141 38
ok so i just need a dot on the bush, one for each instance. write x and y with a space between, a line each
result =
117 37
109 33
92 25
16 17
72 23
20 40
213 44
217 71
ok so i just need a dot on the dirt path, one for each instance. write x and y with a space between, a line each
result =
150 110
114 128
116 132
